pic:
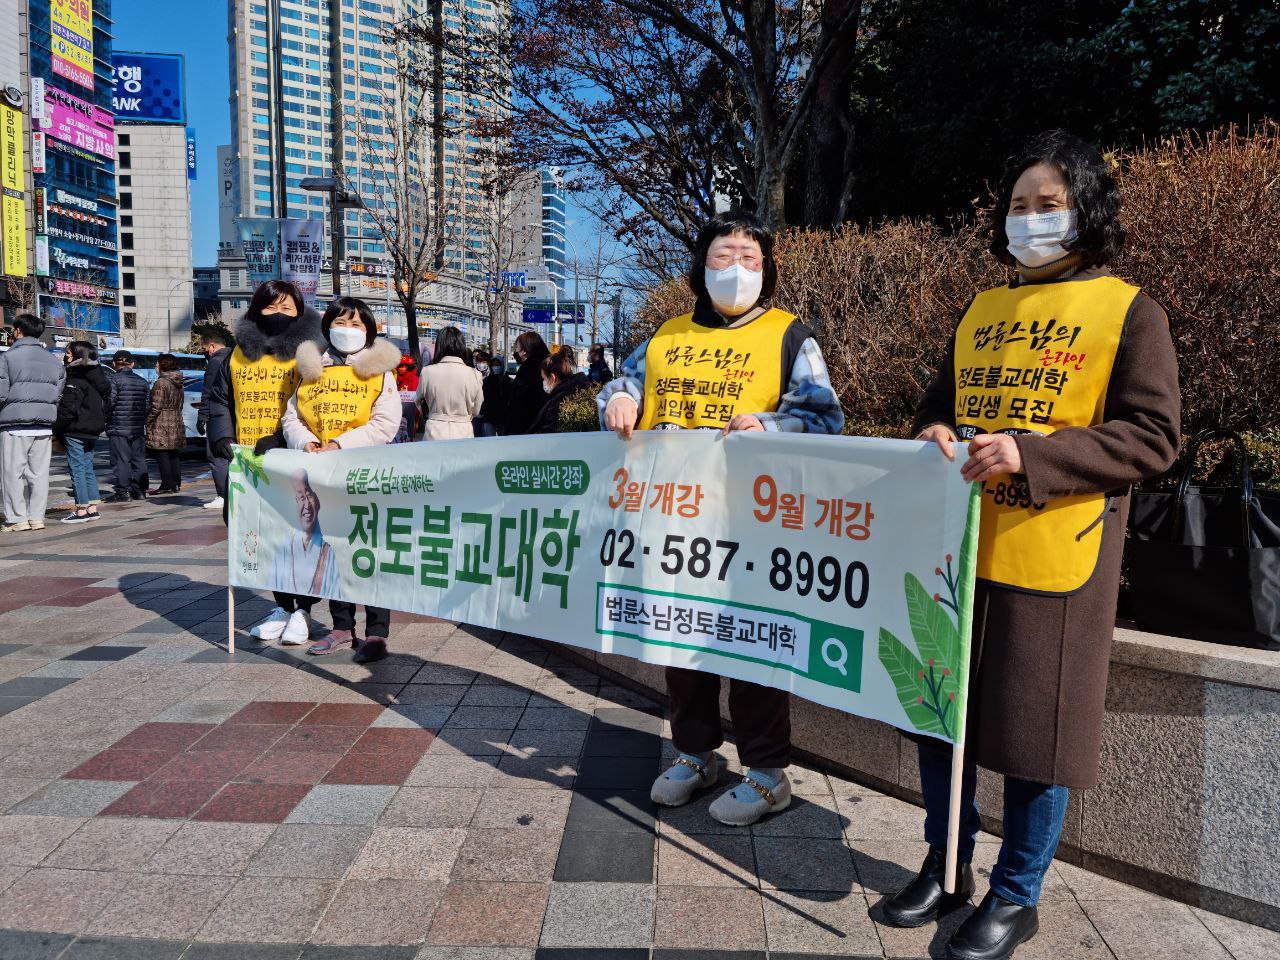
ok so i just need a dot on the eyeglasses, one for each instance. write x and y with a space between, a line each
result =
750 260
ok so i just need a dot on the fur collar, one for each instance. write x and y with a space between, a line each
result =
256 344
381 358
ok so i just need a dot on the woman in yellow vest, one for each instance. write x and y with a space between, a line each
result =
667 384
1064 385
247 398
348 398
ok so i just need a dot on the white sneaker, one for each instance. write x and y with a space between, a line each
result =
272 627
298 630
214 504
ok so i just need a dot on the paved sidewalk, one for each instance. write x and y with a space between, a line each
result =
474 797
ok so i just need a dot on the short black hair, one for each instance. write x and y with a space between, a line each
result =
345 305
531 344
451 343
215 335
271 291
83 350
722 224
29 325
1099 234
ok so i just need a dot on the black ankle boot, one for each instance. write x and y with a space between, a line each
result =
994 931
923 899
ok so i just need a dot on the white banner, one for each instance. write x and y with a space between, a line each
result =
838 568
302 254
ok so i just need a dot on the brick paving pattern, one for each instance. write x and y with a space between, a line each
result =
476 796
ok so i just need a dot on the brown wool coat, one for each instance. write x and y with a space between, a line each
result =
1038 676
165 429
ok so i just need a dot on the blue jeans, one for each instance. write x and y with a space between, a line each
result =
1033 815
84 482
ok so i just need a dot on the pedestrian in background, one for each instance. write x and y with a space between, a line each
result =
355 374
215 344
480 358
450 394
82 419
561 379
166 433
497 392
598 371
527 396
407 384
31 381
126 430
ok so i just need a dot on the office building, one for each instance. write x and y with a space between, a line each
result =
75 250
554 226
17 292
156 296
288 57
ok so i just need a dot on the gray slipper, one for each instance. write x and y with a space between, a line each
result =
750 800
689 774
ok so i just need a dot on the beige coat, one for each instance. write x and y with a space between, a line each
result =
450 396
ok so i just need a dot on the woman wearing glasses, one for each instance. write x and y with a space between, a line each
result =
735 363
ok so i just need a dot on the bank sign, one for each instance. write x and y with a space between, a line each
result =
149 87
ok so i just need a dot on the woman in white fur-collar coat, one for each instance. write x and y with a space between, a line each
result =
347 398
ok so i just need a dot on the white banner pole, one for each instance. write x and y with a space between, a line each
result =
953 813
231 619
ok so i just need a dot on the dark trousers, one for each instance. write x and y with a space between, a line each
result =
289 602
1033 816
377 621
170 468
761 717
219 468
129 465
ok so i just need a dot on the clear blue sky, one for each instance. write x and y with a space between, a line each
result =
199 32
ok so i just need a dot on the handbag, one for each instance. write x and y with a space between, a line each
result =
1204 562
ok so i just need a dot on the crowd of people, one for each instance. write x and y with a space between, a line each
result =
72 403
1060 389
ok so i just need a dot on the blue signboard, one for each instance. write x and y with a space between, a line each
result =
149 88
543 311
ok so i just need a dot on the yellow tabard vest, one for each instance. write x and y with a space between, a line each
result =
261 389
698 377
339 401
1034 359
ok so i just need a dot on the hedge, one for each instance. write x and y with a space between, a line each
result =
1203 215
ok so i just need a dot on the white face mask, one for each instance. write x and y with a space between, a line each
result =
546 386
348 339
1040 238
735 289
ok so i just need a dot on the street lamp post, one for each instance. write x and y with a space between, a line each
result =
555 298
339 200
577 267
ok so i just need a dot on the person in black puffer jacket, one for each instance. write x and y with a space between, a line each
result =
83 412
561 379
126 430
525 396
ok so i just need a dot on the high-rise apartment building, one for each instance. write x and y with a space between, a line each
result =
73 163
288 60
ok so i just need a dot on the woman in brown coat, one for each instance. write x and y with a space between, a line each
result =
1064 384
166 433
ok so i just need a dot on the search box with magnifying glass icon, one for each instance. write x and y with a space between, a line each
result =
825 653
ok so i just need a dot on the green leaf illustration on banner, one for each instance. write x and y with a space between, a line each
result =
244 464
927 683
907 673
